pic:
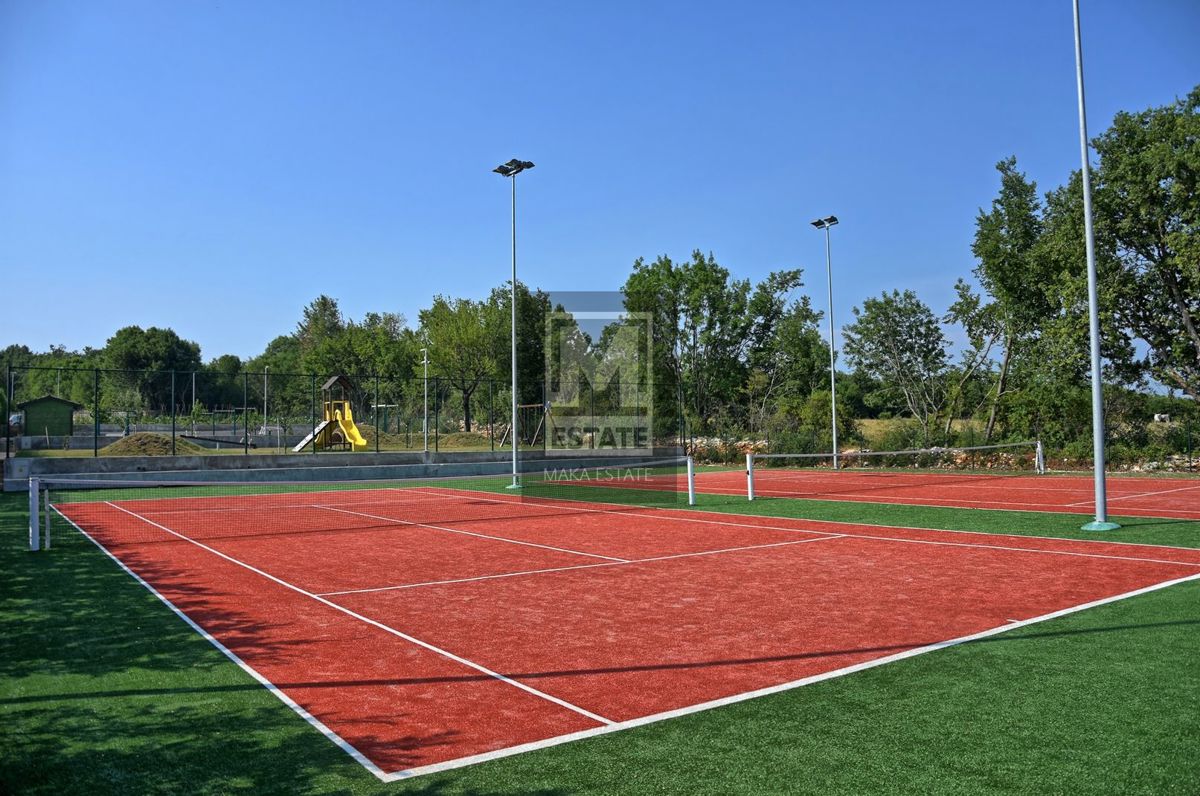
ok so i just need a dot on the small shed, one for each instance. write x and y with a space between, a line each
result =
49 415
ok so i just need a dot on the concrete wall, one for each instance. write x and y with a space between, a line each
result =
324 466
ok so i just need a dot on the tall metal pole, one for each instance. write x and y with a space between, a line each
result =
1101 522
266 368
516 479
425 411
832 367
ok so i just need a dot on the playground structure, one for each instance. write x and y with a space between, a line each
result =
336 431
529 416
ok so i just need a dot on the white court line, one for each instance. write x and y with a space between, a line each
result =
610 726
468 533
909 541
580 566
342 744
1141 494
761 476
987 504
775 689
399 634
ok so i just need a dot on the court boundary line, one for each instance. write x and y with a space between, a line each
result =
377 624
413 524
1146 494
775 689
908 541
712 512
316 723
610 726
548 570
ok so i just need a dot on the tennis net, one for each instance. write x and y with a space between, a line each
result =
780 469
119 512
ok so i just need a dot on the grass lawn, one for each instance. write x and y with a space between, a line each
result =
104 690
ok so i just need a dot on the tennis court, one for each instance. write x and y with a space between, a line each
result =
1173 498
433 626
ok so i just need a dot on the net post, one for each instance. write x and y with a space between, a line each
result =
691 481
750 476
46 513
1040 458
34 525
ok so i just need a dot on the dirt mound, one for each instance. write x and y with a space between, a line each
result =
144 443
463 439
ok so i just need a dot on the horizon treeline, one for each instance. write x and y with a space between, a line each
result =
736 359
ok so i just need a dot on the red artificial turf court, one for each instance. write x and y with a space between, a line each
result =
422 629
1174 498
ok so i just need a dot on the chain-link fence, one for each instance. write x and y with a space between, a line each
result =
104 412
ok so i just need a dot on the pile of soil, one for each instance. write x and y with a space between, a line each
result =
462 439
145 443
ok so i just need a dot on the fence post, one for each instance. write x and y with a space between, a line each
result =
172 413
591 414
492 414
312 409
437 408
378 430
96 412
245 413
8 409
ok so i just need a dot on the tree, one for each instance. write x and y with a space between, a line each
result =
1005 241
1147 195
462 338
710 330
897 339
145 358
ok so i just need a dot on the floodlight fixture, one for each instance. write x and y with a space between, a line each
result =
512 168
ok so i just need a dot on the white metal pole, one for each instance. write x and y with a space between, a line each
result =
691 481
266 368
750 476
516 482
1101 522
35 526
425 410
832 366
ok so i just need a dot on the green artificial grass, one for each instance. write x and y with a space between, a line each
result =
104 690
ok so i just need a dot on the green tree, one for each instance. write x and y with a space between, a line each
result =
897 339
462 338
1148 195
145 356
1006 237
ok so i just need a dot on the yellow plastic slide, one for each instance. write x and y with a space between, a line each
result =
350 431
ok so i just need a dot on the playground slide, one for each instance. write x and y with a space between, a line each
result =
351 432
311 436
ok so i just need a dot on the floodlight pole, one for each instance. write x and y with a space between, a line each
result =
511 169
825 224
266 369
1101 522
425 410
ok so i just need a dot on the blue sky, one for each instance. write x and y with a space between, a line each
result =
213 167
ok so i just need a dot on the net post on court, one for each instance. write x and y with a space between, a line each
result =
750 476
35 494
691 481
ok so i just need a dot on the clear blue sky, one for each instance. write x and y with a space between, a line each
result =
214 166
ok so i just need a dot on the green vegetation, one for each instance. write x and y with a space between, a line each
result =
103 689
